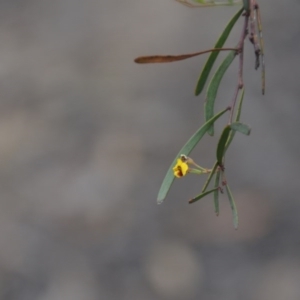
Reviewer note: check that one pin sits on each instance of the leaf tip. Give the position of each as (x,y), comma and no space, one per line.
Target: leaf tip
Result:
(211,131)
(197,91)
(236,222)
(159,200)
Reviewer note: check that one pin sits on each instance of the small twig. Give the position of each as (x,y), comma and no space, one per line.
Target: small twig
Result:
(261,42)
(253,36)
(223,179)
(240,84)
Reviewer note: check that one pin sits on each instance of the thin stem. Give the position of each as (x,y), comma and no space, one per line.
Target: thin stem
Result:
(253,36)
(240,84)
(261,42)
(223,178)
(170,58)
(199,172)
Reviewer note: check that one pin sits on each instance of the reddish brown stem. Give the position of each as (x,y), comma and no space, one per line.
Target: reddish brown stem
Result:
(240,84)
(170,58)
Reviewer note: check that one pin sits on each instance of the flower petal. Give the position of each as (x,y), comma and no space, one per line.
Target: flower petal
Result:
(180,169)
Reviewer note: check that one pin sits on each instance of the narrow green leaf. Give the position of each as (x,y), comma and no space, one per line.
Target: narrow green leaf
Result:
(237,118)
(216,193)
(233,207)
(240,104)
(213,56)
(213,87)
(221,144)
(186,149)
(242,128)
(201,196)
(212,173)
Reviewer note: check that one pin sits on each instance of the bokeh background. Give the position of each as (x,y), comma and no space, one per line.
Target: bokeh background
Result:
(86,137)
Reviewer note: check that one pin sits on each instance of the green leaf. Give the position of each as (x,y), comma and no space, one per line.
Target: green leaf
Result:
(202,195)
(242,128)
(240,104)
(186,149)
(213,87)
(213,56)
(233,207)
(221,144)
(216,193)
(237,118)
(212,173)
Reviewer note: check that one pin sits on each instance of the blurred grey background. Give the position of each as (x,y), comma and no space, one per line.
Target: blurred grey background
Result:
(86,137)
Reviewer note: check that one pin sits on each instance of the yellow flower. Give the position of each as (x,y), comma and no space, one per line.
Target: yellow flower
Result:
(181,168)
